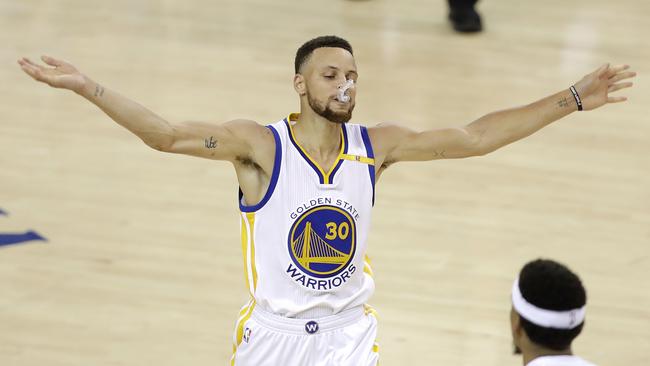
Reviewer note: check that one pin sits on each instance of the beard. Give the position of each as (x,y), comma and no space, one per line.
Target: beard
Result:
(326,112)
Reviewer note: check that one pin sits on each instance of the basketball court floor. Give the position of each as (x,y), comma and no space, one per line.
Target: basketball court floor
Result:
(142,263)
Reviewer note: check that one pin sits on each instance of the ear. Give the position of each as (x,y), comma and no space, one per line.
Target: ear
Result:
(517,329)
(299,84)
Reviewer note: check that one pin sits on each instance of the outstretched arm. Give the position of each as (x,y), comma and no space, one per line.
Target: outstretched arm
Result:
(494,130)
(228,141)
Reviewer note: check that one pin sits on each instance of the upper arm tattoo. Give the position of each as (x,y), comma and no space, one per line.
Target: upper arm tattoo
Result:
(211,143)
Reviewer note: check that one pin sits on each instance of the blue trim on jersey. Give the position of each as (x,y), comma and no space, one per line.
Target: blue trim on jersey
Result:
(345,151)
(371,167)
(316,168)
(274,176)
(305,157)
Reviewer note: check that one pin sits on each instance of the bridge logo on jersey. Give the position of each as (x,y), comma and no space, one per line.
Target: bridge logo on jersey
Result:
(322,242)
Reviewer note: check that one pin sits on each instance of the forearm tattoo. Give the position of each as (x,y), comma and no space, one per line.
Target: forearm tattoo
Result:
(211,143)
(563,103)
(99,90)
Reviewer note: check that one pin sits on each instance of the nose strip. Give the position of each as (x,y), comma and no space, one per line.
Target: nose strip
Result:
(343,89)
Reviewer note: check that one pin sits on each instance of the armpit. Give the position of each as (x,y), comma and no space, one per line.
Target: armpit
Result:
(248,162)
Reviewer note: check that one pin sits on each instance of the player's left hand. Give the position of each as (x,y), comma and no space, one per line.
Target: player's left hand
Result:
(594,88)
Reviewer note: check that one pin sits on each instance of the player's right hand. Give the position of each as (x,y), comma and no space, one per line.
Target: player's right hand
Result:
(61,75)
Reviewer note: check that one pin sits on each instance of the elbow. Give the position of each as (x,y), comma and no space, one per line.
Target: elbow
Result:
(480,152)
(158,145)
(477,146)
(484,149)
(160,140)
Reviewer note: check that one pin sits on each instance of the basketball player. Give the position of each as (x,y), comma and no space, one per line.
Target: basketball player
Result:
(307,187)
(548,313)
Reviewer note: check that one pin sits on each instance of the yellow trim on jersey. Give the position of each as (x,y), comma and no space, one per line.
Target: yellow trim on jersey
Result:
(239,328)
(251,222)
(369,310)
(359,158)
(366,266)
(375,347)
(293,117)
(244,250)
(248,243)
(326,176)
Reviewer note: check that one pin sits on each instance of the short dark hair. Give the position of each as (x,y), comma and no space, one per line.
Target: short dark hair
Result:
(303,53)
(550,285)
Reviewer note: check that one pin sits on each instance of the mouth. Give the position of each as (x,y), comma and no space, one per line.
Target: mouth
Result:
(340,104)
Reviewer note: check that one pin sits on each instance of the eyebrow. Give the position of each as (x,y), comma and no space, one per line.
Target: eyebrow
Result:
(336,68)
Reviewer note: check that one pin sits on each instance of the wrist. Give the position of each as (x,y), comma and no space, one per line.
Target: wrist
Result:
(565,101)
(86,87)
(576,98)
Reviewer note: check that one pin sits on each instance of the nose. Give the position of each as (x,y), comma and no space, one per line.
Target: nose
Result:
(343,95)
(349,84)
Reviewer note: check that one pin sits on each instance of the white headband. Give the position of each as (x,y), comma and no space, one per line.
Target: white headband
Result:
(567,319)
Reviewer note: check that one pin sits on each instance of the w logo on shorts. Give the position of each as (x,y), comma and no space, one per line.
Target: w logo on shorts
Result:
(311,327)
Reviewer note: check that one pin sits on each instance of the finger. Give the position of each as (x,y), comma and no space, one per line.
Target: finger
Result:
(30,70)
(26,65)
(619,86)
(52,61)
(621,76)
(33,64)
(35,73)
(619,68)
(616,69)
(616,99)
(602,70)
(26,60)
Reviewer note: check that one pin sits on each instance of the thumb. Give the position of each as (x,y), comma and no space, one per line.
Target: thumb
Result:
(51,61)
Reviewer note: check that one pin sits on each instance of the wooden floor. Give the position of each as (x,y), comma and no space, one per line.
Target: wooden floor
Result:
(143,263)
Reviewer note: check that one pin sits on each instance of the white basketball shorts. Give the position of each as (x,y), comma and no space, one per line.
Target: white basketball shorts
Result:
(344,339)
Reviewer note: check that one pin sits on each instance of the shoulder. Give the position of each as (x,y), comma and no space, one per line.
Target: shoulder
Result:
(386,136)
(388,131)
(253,134)
(248,128)
(384,128)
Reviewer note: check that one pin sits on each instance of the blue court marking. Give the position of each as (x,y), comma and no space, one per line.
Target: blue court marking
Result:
(18,238)
(12,239)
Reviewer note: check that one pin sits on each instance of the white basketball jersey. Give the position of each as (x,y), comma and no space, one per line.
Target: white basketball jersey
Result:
(304,243)
(562,360)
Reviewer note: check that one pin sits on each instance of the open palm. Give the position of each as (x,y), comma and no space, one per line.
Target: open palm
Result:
(61,75)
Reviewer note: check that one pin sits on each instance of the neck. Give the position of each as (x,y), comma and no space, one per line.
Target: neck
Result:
(317,134)
(533,351)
